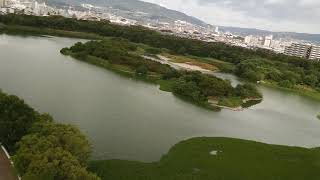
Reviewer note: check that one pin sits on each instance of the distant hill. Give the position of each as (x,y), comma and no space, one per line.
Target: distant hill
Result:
(149,12)
(315,38)
(135,9)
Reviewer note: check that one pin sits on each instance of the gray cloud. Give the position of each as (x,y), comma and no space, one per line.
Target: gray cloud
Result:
(279,15)
(297,10)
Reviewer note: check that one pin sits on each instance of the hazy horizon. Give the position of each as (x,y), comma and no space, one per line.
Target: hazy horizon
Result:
(273,15)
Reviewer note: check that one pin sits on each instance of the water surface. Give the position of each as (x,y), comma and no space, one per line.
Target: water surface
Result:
(133,120)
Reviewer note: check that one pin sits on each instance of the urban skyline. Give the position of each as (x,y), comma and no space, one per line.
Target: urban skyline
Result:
(272,15)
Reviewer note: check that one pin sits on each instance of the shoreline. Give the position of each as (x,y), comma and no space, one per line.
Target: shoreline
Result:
(242,107)
(32,31)
(214,156)
(305,93)
(154,79)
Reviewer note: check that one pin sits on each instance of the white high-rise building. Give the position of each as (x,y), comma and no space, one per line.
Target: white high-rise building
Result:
(315,53)
(268,41)
(247,39)
(217,30)
(2,3)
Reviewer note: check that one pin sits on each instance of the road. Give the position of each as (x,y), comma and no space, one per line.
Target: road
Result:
(6,172)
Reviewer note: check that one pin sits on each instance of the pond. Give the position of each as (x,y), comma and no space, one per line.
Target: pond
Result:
(134,120)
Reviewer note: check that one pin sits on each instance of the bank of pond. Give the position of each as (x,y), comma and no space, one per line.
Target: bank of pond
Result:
(218,158)
(198,88)
(297,74)
(44,149)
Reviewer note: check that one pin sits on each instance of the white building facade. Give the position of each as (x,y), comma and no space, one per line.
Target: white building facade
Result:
(315,53)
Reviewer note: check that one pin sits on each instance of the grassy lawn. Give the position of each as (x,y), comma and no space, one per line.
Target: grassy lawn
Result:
(231,159)
(165,85)
(221,65)
(232,102)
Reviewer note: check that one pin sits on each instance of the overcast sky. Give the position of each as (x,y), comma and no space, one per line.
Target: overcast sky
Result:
(275,15)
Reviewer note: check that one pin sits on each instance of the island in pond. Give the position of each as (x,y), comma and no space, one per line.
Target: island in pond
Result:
(200,88)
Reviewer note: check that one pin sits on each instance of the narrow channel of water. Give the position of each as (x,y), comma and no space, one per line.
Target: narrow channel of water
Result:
(133,120)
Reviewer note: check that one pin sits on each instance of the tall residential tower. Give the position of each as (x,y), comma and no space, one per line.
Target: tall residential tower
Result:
(2,3)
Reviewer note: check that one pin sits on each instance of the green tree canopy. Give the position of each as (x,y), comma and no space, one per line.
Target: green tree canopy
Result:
(53,151)
(16,118)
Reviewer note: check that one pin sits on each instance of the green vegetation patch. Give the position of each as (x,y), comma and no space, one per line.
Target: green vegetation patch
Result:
(307,92)
(191,61)
(42,149)
(166,85)
(298,76)
(252,65)
(232,102)
(217,159)
(123,56)
(223,66)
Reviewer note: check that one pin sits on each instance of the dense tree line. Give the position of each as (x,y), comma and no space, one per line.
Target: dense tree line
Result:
(117,51)
(41,148)
(136,34)
(194,86)
(307,69)
(285,74)
(199,87)
(16,118)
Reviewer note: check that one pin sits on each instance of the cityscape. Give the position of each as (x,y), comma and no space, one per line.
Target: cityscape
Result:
(179,28)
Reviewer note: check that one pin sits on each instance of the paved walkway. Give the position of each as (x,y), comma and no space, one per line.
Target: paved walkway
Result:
(5,167)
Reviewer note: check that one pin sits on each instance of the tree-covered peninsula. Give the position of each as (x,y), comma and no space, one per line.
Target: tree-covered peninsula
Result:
(126,57)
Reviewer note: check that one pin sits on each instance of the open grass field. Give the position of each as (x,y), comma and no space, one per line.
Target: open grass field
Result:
(221,65)
(219,159)
(191,61)
(232,102)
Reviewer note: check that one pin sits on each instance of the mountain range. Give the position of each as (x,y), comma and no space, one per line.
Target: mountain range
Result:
(134,9)
(146,12)
(313,38)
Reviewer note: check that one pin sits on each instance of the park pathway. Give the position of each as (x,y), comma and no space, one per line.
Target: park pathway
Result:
(6,171)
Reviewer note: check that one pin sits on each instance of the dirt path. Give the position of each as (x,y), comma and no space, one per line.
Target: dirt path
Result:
(6,172)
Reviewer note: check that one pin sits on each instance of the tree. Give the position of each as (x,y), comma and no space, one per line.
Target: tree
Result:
(65,136)
(40,158)
(142,70)
(189,90)
(42,149)
(248,91)
(311,80)
(16,118)
(286,84)
(182,50)
(53,151)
